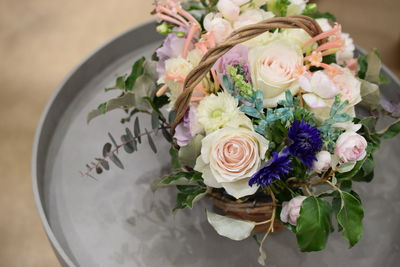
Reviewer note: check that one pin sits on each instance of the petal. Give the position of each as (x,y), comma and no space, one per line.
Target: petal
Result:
(207,175)
(314,101)
(304,83)
(240,188)
(323,86)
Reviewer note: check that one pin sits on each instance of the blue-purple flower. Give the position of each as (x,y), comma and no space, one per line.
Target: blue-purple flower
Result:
(276,168)
(306,142)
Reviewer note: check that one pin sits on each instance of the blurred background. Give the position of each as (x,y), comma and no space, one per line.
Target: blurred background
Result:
(41,41)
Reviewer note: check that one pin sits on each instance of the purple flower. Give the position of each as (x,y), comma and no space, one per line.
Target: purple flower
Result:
(171,48)
(237,56)
(188,128)
(276,168)
(306,142)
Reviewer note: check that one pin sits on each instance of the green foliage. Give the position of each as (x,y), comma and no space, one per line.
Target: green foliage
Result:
(350,217)
(314,224)
(182,178)
(369,68)
(173,152)
(325,15)
(391,131)
(188,194)
(329,133)
(278,7)
(136,72)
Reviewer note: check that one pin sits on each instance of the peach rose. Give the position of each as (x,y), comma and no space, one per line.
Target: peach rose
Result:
(350,147)
(229,157)
(291,210)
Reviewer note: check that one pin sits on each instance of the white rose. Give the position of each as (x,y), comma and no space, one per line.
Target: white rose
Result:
(252,16)
(219,27)
(348,85)
(350,147)
(217,111)
(229,157)
(318,87)
(323,161)
(273,68)
(296,7)
(228,9)
(291,210)
(297,36)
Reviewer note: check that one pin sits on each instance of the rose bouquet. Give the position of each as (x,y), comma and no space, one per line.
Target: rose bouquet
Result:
(268,112)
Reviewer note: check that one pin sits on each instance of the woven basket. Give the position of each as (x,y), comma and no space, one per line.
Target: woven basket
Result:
(257,210)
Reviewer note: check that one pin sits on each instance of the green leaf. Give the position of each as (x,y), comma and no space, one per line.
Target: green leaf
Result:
(391,131)
(182,178)
(350,218)
(151,142)
(116,161)
(173,152)
(231,228)
(113,141)
(154,120)
(104,163)
(125,101)
(370,94)
(136,72)
(106,149)
(119,84)
(314,224)
(188,195)
(374,67)
(128,144)
(326,15)
(188,154)
(353,172)
(167,135)
(136,130)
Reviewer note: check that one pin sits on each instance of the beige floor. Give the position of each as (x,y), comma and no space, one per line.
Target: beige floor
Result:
(42,40)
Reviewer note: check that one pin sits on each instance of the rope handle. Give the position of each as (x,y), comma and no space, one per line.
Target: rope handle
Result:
(241,35)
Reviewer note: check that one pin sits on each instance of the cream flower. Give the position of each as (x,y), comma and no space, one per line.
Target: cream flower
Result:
(217,111)
(273,69)
(251,16)
(229,157)
(323,161)
(219,27)
(228,9)
(176,69)
(296,7)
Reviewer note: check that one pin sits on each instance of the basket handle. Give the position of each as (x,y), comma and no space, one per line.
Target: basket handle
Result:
(239,36)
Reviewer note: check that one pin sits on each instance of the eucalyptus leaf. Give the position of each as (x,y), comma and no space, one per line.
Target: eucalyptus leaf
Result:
(116,161)
(350,218)
(136,130)
(151,142)
(371,96)
(231,228)
(314,224)
(104,163)
(154,120)
(113,141)
(106,149)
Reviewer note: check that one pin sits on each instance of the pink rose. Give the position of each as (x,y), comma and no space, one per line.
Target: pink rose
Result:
(350,147)
(291,210)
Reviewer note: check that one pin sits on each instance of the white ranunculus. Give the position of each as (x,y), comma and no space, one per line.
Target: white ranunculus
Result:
(273,68)
(229,157)
(219,27)
(323,161)
(251,16)
(217,111)
(228,9)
